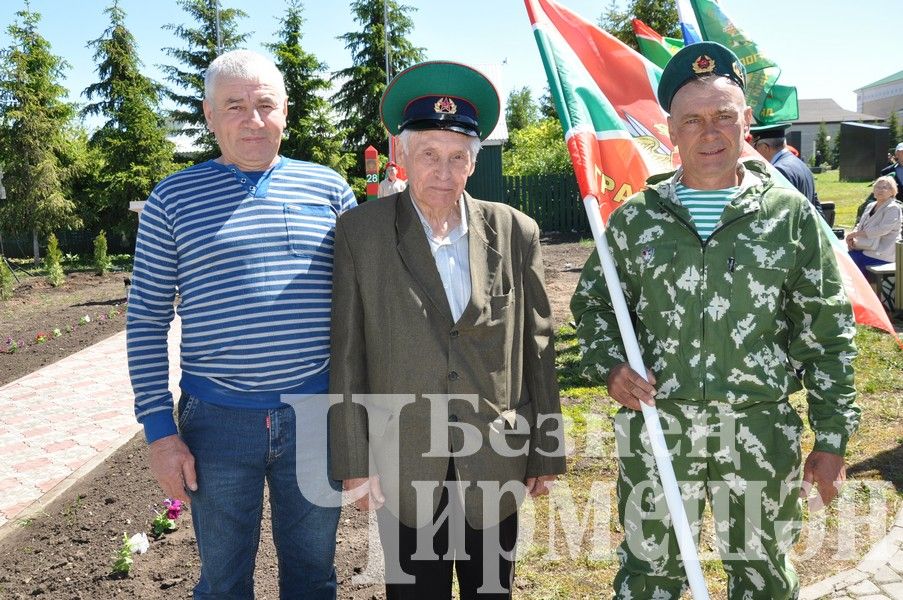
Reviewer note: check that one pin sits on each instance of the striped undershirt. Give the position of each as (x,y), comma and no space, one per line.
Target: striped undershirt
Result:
(252,262)
(705,206)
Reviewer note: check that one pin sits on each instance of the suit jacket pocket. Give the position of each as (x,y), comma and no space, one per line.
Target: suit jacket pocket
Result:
(499,306)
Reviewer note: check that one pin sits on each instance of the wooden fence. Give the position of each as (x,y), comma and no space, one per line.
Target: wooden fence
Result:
(552,200)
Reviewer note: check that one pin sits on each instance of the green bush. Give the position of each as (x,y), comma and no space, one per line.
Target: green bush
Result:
(6,280)
(101,258)
(52,262)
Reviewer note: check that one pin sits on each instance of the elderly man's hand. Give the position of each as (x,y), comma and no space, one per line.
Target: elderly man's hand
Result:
(627,387)
(172,465)
(365,492)
(540,486)
(828,472)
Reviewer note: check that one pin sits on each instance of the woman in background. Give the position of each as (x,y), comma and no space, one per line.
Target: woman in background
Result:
(872,240)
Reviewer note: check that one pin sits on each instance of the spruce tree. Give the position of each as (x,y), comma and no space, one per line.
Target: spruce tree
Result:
(132,144)
(835,150)
(53,262)
(893,126)
(821,145)
(101,258)
(6,280)
(36,133)
(365,80)
(201,49)
(309,133)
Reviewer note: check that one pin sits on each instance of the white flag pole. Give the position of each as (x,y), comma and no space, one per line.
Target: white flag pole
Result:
(650,414)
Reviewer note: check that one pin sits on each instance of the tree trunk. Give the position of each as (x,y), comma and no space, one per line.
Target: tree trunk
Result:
(36,247)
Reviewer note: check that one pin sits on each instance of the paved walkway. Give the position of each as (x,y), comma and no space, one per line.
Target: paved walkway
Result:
(58,423)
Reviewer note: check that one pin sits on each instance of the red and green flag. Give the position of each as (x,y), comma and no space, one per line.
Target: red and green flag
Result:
(604,91)
(617,133)
(771,103)
(654,46)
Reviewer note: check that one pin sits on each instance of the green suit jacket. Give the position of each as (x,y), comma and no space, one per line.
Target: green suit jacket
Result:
(484,387)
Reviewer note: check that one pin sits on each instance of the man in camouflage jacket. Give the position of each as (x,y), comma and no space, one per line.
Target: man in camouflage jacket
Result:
(729,326)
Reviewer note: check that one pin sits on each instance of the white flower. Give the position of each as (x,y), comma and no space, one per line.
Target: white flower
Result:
(138,543)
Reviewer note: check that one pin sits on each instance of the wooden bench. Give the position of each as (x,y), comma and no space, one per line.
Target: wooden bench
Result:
(880,279)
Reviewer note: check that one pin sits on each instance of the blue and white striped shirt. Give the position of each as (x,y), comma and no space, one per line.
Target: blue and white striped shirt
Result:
(252,263)
(705,206)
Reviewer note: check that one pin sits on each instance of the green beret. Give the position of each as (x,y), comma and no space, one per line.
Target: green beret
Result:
(441,95)
(695,61)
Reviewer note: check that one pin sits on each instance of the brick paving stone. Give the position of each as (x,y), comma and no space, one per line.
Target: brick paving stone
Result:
(37,431)
(863,588)
(8,483)
(31,465)
(59,446)
(894,590)
(886,575)
(48,484)
(896,561)
(10,511)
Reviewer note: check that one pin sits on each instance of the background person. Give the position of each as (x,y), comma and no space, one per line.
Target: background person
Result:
(873,240)
(247,239)
(895,170)
(771,143)
(391,184)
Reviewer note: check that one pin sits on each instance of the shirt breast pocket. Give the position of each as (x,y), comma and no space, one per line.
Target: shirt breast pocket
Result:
(310,230)
(759,272)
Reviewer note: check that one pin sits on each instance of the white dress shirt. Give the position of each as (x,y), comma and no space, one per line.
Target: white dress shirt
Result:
(452,256)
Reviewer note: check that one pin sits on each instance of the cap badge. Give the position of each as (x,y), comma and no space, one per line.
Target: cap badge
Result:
(445,105)
(703,64)
(739,72)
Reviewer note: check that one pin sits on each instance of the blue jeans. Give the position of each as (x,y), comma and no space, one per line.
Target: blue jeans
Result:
(235,450)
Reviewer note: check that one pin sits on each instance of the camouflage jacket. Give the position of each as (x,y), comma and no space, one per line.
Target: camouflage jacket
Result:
(745,318)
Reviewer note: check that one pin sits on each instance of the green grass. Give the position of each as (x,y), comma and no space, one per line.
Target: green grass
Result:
(846,196)
(548,567)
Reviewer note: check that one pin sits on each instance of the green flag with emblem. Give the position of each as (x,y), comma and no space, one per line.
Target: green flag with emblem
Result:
(771,103)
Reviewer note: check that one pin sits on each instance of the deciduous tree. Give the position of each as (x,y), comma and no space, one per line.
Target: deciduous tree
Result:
(660,16)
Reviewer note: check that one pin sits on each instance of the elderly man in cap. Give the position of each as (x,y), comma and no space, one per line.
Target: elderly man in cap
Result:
(895,170)
(442,318)
(246,239)
(771,143)
(391,184)
(738,303)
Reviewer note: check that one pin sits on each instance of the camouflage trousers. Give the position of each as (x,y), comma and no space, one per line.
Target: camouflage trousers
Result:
(746,464)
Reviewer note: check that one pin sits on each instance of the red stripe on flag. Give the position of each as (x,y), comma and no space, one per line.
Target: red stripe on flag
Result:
(640,29)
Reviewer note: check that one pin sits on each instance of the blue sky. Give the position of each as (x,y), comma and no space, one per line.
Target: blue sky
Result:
(827,48)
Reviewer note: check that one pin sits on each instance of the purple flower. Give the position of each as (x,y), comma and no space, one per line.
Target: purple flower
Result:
(173,508)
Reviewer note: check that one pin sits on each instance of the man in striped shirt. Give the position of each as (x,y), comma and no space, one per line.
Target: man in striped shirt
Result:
(247,241)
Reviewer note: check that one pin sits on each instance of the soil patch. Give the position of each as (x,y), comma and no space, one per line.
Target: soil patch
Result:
(67,550)
(86,309)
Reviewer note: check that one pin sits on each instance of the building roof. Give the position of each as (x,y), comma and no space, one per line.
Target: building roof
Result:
(890,78)
(826,110)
